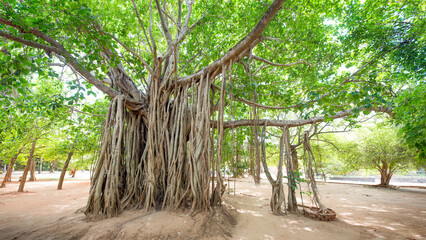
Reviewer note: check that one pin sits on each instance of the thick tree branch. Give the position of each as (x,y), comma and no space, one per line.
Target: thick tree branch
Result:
(242,46)
(301,61)
(33,31)
(164,24)
(255,33)
(294,123)
(28,43)
(248,102)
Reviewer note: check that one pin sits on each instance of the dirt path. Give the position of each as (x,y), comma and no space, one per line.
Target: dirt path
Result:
(363,213)
(39,206)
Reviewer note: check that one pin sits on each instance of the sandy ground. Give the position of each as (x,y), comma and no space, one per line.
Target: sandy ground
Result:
(364,212)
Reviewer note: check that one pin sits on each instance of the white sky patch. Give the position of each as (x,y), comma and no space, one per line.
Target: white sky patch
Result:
(330,22)
(343,68)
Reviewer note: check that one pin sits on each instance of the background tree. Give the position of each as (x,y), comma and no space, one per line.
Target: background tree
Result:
(383,150)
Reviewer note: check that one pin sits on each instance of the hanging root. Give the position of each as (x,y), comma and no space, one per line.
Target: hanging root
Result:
(104,196)
(278,199)
(292,201)
(320,212)
(158,160)
(278,196)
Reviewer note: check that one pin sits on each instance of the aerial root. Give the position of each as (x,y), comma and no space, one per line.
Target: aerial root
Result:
(326,214)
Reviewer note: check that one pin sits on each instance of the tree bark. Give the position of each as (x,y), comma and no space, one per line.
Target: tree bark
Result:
(256,143)
(64,170)
(385,174)
(32,172)
(293,123)
(251,152)
(27,167)
(8,174)
(291,181)
(40,166)
(312,182)
(237,170)
(294,158)
(257,152)
(251,146)
(278,196)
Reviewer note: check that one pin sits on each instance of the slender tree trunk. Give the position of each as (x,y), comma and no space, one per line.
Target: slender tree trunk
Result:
(312,182)
(212,151)
(256,143)
(291,181)
(8,174)
(237,162)
(294,158)
(27,167)
(64,170)
(257,151)
(250,146)
(251,154)
(32,172)
(278,195)
(219,190)
(51,167)
(73,172)
(40,166)
(212,159)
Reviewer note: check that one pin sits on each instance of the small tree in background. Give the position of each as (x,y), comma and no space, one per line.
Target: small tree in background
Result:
(385,151)
(381,149)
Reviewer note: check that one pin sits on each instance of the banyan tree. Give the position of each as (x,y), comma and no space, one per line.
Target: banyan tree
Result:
(171,70)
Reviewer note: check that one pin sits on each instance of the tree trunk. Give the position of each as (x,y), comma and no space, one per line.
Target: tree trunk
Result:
(251,156)
(312,182)
(256,143)
(278,196)
(160,159)
(8,174)
(27,167)
(294,158)
(257,151)
(51,167)
(237,170)
(73,172)
(385,174)
(40,166)
(251,148)
(291,180)
(64,170)
(32,168)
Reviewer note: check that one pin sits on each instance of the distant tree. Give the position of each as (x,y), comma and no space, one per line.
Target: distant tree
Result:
(381,149)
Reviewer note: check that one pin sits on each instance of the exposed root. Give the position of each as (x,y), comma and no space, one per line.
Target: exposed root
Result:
(326,214)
